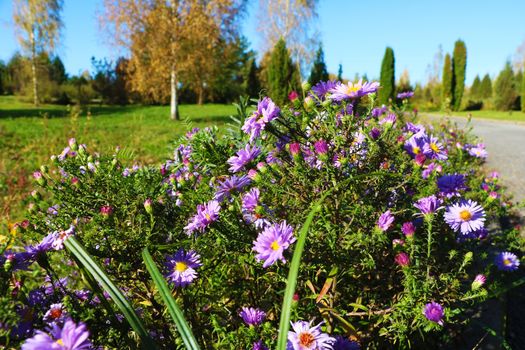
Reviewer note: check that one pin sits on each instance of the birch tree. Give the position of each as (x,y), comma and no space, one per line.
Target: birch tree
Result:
(169,42)
(295,22)
(38,28)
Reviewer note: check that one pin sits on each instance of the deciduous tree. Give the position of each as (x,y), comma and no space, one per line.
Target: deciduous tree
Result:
(171,42)
(38,27)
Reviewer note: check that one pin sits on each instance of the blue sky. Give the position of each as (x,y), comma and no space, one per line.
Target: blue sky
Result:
(354,33)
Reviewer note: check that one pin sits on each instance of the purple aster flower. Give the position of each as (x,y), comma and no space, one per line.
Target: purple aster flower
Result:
(374,133)
(259,345)
(321,147)
(405,95)
(306,337)
(252,316)
(450,185)
(378,111)
(478,151)
(408,229)
(433,149)
(415,128)
(466,216)
(428,205)
(229,185)
(41,248)
(182,267)
(272,242)
(432,167)
(206,215)
(250,200)
(506,261)
(36,297)
(389,119)
(385,220)
(434,312)
(352,90)
(70,337)
(244,156)
(56,313)
(61,236)
(342,343)
(414,145)
(322,88)
(17,260)
(53,210)
(266,112)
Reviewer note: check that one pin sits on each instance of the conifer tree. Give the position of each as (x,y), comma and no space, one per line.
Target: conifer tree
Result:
(283,75)
(475,88)
(523,93)
(252,84)
(387,79)
(505,86)
(319,71)
(340,73)
(459,68)
(486,87)
(447,88)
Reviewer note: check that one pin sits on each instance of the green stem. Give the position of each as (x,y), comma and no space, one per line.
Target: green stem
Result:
(429,244)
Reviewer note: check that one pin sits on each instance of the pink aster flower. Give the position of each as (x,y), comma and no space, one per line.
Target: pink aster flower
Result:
(306,337)
(272,242)
(466,216)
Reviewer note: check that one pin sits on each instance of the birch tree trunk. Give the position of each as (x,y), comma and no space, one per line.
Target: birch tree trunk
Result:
(33,67)
(174,113)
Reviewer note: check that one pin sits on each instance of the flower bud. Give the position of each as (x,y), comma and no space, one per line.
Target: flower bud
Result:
(148,206)
(306,86)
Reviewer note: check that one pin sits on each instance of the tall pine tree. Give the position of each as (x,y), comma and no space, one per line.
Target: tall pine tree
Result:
(388,79)
(505,86)
(447,91)
(319,71)
(523,93)
(475,88)
(252,85)
(459,69)
(485,89)
(283,75)
(340,73)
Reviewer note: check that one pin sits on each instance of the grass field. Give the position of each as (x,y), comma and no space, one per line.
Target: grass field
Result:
(29,136)
(515,116)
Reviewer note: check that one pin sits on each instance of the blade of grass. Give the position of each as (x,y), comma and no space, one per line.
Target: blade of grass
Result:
(174,310)
(116,295)
(291,282)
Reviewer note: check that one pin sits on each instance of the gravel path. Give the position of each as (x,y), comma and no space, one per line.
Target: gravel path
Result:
(505,142)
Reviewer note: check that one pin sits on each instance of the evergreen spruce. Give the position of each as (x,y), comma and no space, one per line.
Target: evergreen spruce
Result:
(505,85)
(486,87)
(475,88)
(252,85)
(340,73)
(523,93)
(319,71)
(447,87)
(459,68)
(283,75)
(387,79)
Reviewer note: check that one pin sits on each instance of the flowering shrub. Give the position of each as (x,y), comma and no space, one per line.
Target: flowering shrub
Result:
(402,248)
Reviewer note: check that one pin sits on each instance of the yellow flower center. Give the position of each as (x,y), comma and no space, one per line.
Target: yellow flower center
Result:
(416,150)
(208,217)
(275,245)
(306,339)
(434,147)
(60,342)
(465,215)
(350,89)
(181,267)
(507,262)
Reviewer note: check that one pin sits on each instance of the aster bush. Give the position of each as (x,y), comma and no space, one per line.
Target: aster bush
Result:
(405,244)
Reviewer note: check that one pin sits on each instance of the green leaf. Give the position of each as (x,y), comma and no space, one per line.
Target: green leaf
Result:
(174,310)
(116,295)
(291,283)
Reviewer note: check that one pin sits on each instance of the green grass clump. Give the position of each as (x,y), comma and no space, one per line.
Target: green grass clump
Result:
(28,135)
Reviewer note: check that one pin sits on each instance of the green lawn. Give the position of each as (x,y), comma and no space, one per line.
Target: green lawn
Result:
(495,115)
(29,136)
